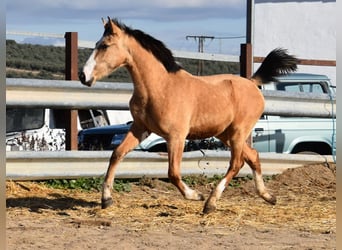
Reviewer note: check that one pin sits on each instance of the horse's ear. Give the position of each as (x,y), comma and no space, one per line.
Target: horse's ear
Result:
(113,28)
(103,21)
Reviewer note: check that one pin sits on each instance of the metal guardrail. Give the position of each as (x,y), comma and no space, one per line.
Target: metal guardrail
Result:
(294,104)
(44,165)
(105,95)
(66,94)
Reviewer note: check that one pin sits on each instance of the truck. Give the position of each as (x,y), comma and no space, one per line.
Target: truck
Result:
(294,135)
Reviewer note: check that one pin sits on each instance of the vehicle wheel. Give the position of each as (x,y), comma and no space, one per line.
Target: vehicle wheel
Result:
(158,148)
(312,148)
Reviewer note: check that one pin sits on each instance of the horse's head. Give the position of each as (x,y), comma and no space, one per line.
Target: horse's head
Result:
(108,55)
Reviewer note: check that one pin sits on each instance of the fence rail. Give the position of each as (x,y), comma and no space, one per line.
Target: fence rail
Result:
(75,164)
(105,95)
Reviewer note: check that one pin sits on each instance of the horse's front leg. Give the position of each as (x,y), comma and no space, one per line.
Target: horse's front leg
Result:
(175,152)
(131,140)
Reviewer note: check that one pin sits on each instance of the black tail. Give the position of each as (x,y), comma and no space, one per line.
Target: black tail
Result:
(278,62)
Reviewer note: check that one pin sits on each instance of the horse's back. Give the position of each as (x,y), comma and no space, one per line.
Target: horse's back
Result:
(243,88)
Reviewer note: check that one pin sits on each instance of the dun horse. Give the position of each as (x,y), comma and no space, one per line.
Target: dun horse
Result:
(169,101)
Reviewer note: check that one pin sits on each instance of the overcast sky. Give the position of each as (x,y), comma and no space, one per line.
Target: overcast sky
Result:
(167,20)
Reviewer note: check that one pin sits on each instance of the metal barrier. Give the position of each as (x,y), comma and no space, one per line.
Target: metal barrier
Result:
(73,164)
(116,96)
(44,165)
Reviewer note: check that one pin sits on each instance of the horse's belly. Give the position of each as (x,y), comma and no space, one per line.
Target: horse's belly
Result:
(209,122)
(202,132)
(194,136)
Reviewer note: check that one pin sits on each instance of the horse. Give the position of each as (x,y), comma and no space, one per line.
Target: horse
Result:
(171,102)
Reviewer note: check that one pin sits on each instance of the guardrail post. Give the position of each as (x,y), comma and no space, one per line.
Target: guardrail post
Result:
(71,73)
(246,69)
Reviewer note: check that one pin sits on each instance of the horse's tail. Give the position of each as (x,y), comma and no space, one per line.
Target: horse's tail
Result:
(278,62)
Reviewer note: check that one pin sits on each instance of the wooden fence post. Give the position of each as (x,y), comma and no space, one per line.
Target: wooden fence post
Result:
(71,73)
(246,60)
(246,70)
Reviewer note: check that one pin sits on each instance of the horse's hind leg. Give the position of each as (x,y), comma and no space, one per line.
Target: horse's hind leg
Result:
(251,156)
(236,164)
(175,151)
(132,139)
(240,153)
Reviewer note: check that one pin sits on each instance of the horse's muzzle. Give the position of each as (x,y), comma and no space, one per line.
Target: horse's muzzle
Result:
(83,80)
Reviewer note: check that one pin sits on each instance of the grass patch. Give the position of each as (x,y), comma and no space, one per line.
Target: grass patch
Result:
(125,185)
(199,180)
(87,184)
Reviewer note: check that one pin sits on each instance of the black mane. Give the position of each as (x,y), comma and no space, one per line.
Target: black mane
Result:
(156,47)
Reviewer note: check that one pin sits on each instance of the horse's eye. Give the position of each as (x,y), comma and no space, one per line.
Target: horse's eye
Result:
(103,46)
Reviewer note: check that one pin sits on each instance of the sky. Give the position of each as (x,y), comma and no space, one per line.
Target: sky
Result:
(167,20)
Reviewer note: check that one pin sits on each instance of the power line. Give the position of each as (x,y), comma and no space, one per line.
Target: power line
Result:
(229,37)
(201,39)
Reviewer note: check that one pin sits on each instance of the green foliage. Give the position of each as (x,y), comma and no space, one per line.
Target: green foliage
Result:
(35,57)
(122,186)
(87,184)
(48,62)
(125,185)
(195,180)
(200,180)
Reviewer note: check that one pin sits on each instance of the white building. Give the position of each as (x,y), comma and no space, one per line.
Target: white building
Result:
(307,28)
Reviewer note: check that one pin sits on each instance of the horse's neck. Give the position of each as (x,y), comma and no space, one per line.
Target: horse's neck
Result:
(146,71)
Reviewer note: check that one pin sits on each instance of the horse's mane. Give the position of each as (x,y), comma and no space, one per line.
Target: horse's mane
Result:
(156,47)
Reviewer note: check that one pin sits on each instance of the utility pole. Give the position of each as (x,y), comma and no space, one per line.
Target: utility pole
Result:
(201,40)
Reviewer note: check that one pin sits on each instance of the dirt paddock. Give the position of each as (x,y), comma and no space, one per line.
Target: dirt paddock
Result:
(153,215)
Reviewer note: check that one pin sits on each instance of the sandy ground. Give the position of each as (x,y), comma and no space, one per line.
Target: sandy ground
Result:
(153,215)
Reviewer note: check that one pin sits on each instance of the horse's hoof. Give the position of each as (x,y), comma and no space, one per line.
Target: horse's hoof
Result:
(272,200)
(194,196)
(197,197)
(269,198)
(106,203)
(209,207)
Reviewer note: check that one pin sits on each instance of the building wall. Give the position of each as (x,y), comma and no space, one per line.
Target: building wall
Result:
(306,28)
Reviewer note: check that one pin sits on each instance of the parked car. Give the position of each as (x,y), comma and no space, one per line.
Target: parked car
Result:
(270,134)
(109,137)
(102,138)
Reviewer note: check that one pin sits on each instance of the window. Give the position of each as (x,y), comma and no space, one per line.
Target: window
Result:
(306,87)
(22,119)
